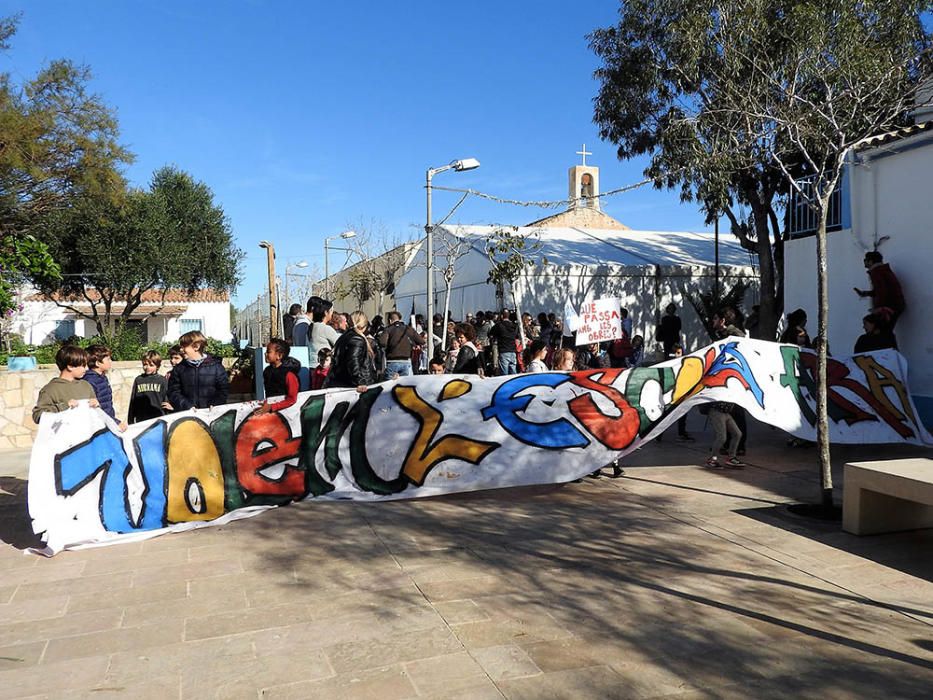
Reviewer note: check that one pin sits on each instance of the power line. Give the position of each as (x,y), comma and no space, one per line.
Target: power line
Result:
(543,204)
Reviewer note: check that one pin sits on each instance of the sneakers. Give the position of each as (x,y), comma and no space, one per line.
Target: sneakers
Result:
(713,462)
(686,437)
(735,463)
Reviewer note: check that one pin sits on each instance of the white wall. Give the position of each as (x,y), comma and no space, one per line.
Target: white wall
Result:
(214,317)
(892,195)
(38,321)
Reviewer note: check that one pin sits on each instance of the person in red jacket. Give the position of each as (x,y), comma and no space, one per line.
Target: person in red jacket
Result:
(887,297)
(319,373)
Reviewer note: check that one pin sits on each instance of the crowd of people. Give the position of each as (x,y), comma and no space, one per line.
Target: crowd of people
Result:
(487,343)
(350,350)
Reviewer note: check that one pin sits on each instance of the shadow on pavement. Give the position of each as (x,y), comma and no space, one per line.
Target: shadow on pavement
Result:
(610,568)
(894,550)
(15,523)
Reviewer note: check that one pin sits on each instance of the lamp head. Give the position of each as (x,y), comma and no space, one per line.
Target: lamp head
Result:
(465,164)
(348,234)
(303,263)
(265,244)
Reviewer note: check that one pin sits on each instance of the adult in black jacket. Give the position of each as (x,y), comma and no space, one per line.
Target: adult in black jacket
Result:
(668,332)
(353,360)
(505,332)
(198,381)
(468,357)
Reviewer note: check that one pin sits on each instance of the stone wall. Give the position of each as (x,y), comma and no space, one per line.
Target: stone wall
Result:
(19,391)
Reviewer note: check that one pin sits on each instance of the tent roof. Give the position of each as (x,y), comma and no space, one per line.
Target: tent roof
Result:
(578,246)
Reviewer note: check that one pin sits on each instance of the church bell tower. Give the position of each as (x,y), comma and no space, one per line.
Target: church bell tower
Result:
(584,183)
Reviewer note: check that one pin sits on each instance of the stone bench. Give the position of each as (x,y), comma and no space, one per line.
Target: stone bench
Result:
(888,496)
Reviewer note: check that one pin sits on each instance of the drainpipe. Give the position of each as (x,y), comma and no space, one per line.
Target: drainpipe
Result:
(657,297)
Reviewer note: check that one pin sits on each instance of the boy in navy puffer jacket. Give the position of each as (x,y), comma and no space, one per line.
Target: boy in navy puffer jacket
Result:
(99,362)
(200,381)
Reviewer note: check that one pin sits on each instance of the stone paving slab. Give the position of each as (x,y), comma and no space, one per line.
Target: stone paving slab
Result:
(671,582)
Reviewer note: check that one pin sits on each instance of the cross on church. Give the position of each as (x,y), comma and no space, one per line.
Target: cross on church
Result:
(584,153)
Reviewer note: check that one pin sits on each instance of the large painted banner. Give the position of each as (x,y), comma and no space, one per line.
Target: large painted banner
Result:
(427,435)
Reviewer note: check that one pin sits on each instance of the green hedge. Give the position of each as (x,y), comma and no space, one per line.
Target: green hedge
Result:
(125,345)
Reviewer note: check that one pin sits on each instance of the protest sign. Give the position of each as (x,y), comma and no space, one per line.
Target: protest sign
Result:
(598,321)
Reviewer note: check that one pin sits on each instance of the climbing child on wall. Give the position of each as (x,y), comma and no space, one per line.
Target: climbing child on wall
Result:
(65,390)
(280,378)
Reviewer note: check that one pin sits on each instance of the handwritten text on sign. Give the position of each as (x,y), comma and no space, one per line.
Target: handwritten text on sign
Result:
(599,320)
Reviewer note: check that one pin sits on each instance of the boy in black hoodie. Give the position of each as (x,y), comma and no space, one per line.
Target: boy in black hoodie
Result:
(148,399)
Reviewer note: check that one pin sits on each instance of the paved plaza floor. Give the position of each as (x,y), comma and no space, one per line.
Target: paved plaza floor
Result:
(672,581)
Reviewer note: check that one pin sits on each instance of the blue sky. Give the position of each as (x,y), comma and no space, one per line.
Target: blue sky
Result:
(305,117)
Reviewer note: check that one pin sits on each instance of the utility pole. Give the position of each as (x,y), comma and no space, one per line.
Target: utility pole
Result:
(273,292)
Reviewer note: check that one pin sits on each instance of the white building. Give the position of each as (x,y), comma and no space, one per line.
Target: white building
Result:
(589,254)
(885,203)
(646,270)
(43,321)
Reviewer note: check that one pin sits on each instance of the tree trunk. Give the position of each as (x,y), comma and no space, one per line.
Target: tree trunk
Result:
(778,255)
(446,314)
(822,425)
(518,310)
(767,312)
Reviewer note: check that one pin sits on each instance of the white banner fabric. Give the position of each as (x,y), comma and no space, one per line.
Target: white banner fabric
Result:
(89,484)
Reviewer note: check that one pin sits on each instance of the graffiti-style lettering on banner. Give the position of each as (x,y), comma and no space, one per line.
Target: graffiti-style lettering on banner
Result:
(427,435)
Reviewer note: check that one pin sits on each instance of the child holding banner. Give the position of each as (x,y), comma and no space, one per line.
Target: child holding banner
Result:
(99,362)
(148,397)
(65,390)
(280,377)
(201,380)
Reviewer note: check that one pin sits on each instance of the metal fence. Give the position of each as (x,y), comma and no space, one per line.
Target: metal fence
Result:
(252,324)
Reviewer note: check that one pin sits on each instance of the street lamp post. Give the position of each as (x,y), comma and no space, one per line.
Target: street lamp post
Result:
(345,235)
(458,166)
(273,300)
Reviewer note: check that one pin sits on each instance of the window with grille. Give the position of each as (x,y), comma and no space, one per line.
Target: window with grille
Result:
(802,219)
(64,330)
(186,325)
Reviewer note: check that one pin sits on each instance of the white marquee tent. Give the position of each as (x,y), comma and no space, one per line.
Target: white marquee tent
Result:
(646,269)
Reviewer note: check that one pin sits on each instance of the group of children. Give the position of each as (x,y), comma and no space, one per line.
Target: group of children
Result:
(196,380)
